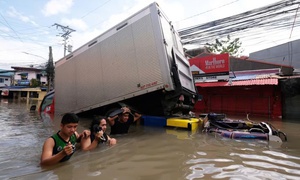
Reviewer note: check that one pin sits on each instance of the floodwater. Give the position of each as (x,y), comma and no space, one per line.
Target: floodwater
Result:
(145,153)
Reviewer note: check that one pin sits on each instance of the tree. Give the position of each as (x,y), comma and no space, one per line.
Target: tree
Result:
(233,47)
(34,83)
(50,70)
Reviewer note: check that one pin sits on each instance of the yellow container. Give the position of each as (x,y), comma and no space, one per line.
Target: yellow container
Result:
(191,124)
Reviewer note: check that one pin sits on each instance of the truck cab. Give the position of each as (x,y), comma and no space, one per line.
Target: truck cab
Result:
(47,104)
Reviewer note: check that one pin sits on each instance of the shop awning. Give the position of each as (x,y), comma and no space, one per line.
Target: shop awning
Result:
(239,83)
(23,74)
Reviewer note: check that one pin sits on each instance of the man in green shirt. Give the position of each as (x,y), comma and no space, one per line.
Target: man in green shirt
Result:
(61,146)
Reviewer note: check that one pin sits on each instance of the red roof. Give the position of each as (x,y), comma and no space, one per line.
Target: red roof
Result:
(240,83)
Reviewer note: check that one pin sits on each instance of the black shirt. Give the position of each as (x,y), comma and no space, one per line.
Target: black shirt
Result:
(120,127)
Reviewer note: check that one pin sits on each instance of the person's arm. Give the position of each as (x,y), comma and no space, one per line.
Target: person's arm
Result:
(47,158)
(136,117)
(85,134)
(111,120)
(111,141)
(87,145)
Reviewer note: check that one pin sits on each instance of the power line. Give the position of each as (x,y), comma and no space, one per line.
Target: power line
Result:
(294,21)
(275,17)
(208,11)
(94,9)
(67,31)
(11,28)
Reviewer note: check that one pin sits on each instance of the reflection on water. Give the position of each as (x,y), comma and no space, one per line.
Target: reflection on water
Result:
(145,153)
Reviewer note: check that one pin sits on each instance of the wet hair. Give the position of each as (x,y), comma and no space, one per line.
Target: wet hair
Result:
(69,118)
(96,121)
(124,113)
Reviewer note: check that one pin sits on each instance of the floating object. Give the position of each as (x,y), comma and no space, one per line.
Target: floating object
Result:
(240,129)
(191,124)
(33,108)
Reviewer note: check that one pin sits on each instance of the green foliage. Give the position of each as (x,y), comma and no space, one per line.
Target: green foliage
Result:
(34,83)
(233,47)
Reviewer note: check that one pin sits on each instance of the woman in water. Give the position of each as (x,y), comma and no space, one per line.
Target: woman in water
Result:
(98,135)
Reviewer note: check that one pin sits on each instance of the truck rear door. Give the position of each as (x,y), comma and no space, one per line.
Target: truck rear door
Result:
(175,50)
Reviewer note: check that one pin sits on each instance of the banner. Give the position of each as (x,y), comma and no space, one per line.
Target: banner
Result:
(210,68)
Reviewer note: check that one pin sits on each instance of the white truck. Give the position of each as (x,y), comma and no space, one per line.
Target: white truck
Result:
(139,62)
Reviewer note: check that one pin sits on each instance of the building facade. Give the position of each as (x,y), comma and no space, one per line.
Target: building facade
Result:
(287,54)
(5,80)
(254,87)
(24,75)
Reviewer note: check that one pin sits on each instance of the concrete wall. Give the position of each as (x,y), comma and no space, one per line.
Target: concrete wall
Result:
(287,54)
(291,102)
(31,75)
(6,81)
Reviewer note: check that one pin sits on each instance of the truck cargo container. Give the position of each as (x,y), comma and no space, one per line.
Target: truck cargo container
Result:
(139,62)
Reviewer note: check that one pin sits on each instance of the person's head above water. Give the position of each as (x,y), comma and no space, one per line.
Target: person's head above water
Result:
(69,118)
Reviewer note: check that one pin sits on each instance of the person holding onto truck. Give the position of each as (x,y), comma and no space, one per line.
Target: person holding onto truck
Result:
(98,135)
(62,145)
(121,122)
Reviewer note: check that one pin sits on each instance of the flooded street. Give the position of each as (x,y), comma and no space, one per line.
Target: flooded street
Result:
(145,153)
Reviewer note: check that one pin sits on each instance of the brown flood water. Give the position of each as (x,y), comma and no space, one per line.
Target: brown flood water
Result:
(145,153)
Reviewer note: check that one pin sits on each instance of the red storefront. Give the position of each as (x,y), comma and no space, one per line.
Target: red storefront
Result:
(254,92)
(255,97)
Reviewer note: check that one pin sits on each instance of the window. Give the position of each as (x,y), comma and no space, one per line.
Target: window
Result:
(1,80)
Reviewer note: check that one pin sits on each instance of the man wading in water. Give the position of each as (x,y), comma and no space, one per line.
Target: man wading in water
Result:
(120,123)
(61,146)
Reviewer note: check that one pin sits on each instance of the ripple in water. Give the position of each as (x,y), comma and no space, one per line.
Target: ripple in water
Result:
(96,173)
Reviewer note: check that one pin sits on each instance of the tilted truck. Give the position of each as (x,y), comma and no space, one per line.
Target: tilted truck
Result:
(139,62)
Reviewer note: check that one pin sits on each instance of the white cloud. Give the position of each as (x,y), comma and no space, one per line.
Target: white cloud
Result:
(127,11)
(12,12)
(54,7)
(77,24)
(4,29)
(12,53)
(79,39)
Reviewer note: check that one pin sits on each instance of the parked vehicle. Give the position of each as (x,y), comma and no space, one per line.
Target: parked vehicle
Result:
(47,104)
(139,62)
(5,92)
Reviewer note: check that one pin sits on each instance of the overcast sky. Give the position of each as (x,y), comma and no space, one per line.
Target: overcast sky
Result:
(27,31)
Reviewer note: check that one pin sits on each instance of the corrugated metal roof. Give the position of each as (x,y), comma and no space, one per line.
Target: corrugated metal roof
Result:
(255,76)
(211,84)
(244,77)
(240,83)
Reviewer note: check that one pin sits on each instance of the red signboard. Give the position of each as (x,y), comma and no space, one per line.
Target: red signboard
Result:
(213,67)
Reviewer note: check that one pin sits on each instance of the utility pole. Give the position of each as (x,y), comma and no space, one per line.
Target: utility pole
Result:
(50,70)
(67,31)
